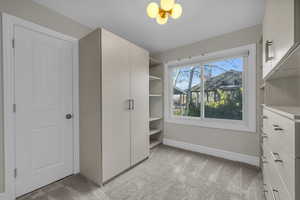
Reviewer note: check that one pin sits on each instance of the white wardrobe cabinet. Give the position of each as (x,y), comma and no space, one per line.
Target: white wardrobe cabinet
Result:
(281,151)
(114,105)
(281,32)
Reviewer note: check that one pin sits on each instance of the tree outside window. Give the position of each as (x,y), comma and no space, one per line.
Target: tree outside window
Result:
(212,90)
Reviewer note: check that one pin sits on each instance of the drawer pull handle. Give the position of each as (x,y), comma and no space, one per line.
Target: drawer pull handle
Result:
(273,194)
(264,117)
(276,157)
(278,129)
(264,136)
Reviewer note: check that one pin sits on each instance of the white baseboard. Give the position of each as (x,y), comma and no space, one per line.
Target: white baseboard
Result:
(251,160)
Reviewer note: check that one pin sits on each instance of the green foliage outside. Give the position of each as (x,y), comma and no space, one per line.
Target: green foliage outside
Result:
(229,106)
(194,111)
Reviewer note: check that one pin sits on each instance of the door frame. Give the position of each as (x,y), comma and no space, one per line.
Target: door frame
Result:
(8,23)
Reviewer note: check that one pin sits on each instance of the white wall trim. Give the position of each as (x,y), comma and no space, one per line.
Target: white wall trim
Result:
(8,23)
(251,160)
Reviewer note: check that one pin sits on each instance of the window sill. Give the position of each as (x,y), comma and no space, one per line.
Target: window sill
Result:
(234,125)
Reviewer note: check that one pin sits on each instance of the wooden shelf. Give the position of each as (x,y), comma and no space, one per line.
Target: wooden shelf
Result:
(154,143)
(154,78)
(154,131)
(154,62)
(151,119)
(155,103)
(155,95)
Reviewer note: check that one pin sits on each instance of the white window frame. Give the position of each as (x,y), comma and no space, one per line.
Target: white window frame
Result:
(249,97)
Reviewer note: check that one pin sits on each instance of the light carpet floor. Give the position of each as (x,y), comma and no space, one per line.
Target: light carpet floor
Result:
(169,174)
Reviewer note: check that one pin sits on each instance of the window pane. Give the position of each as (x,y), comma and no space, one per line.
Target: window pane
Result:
(223,90)
(186,100)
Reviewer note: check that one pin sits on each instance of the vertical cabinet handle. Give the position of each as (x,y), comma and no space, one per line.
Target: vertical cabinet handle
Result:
(133,104)
(129,104)
(268,46)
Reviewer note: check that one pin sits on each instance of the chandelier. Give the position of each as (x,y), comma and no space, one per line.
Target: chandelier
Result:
(167,8)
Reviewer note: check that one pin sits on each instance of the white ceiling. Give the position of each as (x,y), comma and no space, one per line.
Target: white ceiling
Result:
(201,19)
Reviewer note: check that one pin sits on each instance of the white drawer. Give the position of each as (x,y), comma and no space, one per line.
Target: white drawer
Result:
(272,180)
(266,179)
(266,176)
(281,133)
(297,179)
(268,192)
(278,189)
(267,118)
(285,167)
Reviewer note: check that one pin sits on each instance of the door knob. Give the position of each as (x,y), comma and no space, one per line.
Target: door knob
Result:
(69,116)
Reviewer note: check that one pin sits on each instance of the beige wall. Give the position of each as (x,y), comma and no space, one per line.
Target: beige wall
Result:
(1,120)
(38,14)
(41,15)
(228,140)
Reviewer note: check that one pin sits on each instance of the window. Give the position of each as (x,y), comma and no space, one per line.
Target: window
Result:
(186,97)
(213,90)
(223,89)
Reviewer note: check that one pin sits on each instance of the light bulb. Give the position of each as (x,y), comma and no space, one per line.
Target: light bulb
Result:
(167,4)
(161,20)
(176,11)
(152,10)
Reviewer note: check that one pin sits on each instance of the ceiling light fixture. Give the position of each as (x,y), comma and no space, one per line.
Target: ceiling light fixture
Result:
(167,8)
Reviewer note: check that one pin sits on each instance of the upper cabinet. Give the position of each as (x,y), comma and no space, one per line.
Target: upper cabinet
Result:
(281,33)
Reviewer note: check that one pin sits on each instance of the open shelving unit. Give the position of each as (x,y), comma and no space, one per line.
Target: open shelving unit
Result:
(155,95)
(153,78)
(154,143)
(155,103)
(154,131)
(152,119)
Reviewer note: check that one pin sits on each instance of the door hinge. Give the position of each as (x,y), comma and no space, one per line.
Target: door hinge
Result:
(14,108)
(15,172)
(13,43)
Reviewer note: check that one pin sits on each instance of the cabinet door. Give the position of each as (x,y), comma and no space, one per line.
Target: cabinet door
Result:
(267,23)
(115,97)
(278,29)
(139,59)
(90,113)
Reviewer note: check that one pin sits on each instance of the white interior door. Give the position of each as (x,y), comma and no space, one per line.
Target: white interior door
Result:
(43,96)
